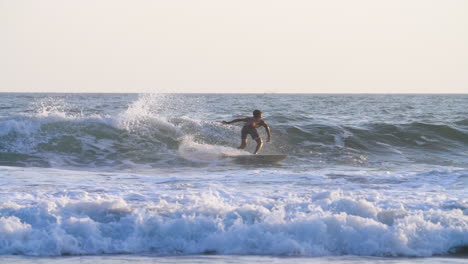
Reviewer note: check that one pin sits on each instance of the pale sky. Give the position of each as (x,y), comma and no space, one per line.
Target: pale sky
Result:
(238,46)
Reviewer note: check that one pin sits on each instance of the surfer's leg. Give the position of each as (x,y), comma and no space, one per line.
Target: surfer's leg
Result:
(259,145)
(243,144)
(244,133)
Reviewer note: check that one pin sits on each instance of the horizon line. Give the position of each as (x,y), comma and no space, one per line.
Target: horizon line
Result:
(320,93)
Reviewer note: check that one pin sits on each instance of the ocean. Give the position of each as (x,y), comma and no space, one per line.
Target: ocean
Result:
(150,178)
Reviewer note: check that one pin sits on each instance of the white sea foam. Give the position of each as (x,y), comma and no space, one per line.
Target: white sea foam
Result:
(196,214)
(191,150)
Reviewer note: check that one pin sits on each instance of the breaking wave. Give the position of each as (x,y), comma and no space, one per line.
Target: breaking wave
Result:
(148,133)
(222,222)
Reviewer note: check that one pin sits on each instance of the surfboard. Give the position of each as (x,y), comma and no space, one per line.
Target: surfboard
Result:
(257,159)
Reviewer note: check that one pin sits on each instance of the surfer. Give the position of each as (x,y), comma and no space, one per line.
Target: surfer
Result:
(250,128)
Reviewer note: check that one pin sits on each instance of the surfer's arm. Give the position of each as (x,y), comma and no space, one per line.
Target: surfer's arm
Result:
(235,121)
(267,128)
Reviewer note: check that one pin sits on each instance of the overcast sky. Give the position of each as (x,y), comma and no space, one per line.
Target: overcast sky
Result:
(327,46)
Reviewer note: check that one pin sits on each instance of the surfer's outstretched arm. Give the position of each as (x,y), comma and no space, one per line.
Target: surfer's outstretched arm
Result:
(235,121)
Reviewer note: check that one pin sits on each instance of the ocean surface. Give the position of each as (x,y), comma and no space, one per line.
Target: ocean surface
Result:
(144,178)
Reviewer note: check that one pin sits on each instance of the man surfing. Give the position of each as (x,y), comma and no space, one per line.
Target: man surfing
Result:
(250,128)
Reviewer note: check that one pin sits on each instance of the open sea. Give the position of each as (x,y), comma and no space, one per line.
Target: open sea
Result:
(144,178)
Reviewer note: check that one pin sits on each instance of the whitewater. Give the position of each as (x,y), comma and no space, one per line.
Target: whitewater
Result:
(135,178)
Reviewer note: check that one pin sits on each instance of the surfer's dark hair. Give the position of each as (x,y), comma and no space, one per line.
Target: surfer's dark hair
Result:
(257,113)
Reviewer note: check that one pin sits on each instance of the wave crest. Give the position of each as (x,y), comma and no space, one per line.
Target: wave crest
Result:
(151,132)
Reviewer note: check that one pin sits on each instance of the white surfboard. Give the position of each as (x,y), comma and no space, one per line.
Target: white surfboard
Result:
(257,159)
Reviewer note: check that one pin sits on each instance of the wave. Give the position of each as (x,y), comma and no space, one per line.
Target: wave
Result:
(378,142)
(139,135)
(150,132)
(218,222)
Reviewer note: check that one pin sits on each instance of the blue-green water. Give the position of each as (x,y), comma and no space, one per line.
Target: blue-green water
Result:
(367,176)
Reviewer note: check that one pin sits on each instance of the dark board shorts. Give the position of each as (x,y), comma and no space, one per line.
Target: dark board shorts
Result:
(248,130)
